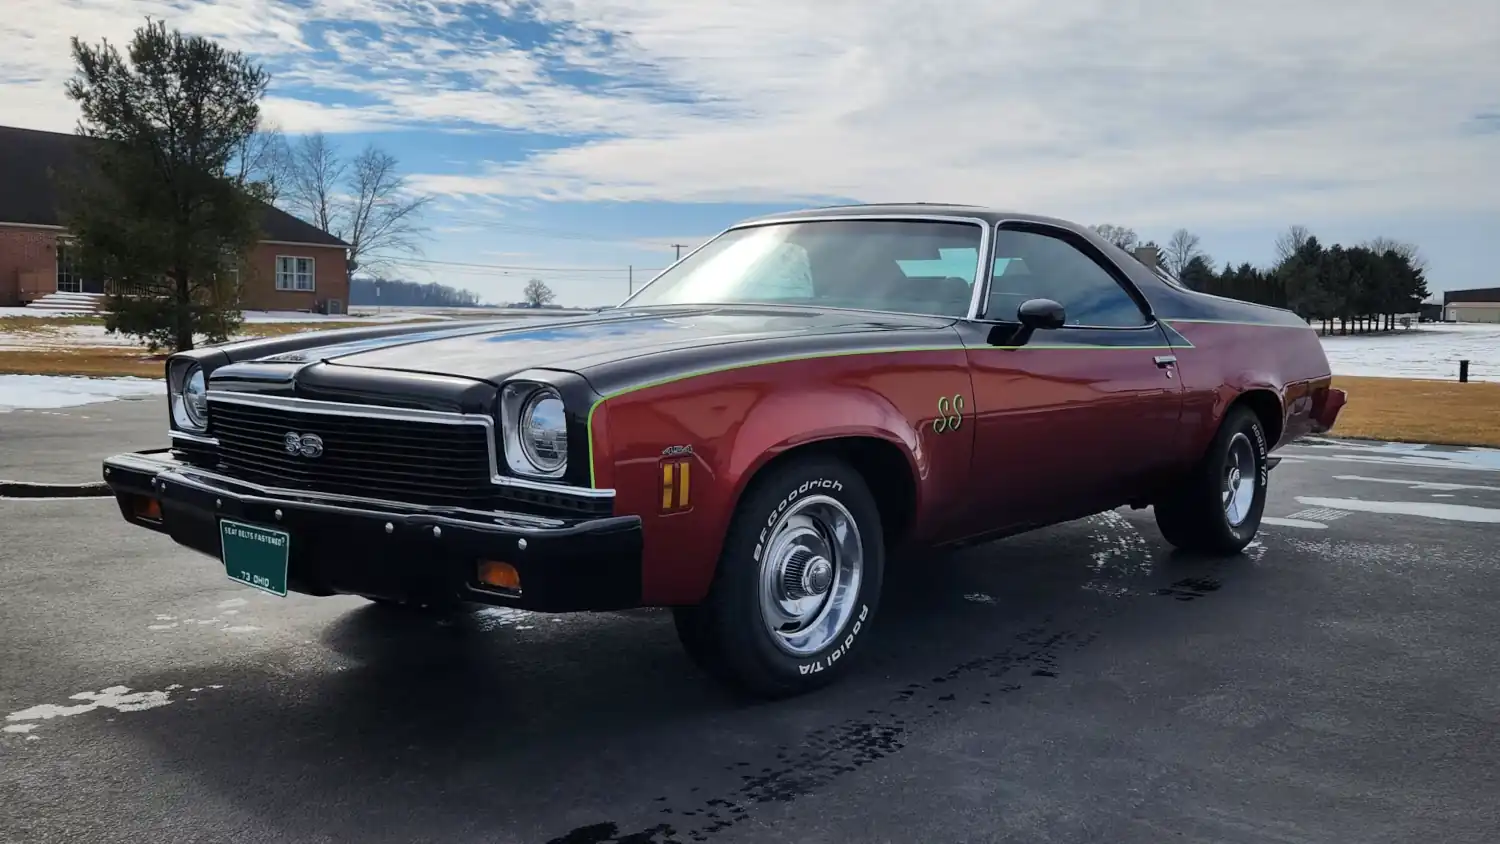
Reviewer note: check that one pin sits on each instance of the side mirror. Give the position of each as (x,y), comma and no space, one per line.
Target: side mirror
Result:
(1033,314)
(1041,314)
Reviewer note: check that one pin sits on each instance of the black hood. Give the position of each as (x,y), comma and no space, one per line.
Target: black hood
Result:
(577,344)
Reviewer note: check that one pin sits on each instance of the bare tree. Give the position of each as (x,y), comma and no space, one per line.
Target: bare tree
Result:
(1181,249)
(316,174)
(1409,251)
(364,202)
(1121,236)
(384,216)
(262,165)
(1289,241)
(537,293)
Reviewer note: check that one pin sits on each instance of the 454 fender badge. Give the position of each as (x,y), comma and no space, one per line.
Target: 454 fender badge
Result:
(837,653)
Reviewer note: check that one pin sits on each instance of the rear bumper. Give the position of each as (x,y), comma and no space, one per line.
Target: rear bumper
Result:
(342,545)
(1326,406)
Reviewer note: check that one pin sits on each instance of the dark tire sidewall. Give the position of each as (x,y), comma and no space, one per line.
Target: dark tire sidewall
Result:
(736,599)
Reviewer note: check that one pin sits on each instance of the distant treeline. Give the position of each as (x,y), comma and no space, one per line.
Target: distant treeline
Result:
(406,294)
(1361,288)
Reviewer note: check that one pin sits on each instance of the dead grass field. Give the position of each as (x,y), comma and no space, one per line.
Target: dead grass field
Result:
(87,360)
(1406,410)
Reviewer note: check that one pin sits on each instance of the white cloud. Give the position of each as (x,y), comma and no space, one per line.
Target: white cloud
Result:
(1151,112)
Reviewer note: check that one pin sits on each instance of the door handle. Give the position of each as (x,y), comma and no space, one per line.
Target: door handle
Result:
(1165,361)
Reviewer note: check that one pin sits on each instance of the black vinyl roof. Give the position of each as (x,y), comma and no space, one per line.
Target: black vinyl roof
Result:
(908,209)
(29,158)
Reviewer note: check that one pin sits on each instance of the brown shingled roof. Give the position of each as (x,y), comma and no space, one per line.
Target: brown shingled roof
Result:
(28,195)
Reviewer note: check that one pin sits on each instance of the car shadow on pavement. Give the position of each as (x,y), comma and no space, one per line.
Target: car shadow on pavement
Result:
(403,726)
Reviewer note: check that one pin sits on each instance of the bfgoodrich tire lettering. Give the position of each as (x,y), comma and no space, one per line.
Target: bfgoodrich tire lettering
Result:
(1218,507)
(797,582)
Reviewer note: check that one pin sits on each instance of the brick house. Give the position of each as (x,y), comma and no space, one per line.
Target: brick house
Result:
(295,267)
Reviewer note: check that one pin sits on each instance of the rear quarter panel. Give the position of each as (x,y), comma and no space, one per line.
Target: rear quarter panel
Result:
(1229,359)
(738,418)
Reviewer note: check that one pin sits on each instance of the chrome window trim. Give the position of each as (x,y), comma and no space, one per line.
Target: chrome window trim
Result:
(980,272)
(1152,321)
(403,414)
(195,478)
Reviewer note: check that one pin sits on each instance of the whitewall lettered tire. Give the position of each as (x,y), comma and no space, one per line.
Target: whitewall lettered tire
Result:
(797,583)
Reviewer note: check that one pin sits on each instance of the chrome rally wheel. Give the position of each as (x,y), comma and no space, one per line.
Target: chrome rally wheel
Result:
(1240,473)
(810,575)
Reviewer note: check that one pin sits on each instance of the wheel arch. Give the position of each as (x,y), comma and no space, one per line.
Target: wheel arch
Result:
(1267,407)
(887,469)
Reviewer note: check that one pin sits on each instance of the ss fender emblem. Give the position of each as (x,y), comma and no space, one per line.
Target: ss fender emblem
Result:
(950,414)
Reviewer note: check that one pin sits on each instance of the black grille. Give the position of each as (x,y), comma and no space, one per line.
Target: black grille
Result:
(420,462)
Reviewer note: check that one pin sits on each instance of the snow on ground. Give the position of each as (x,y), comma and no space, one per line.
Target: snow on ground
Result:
(66,336)
(73,335)
(1429,350)
(41,392)
(33,312)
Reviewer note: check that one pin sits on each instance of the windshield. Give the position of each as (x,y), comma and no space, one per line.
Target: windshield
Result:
(906,266)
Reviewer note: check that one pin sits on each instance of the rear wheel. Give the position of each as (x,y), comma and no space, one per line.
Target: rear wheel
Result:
(1218,507)
(797,583)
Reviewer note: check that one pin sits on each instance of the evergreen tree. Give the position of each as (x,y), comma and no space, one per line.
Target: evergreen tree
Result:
(1198,274)
(160,206)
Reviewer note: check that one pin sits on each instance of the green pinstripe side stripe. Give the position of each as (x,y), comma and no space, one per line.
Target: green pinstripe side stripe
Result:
(1231,322)
(837,354)
(745,365)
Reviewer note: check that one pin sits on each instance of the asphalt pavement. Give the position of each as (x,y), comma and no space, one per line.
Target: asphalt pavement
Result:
(1339,682)
(66,446)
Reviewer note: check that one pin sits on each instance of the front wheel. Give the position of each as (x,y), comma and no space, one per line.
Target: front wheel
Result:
(797,583)
(1218,507)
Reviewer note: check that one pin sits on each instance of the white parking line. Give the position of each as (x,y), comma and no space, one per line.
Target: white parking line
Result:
(1295,523)
(1426,485)
(1424,509)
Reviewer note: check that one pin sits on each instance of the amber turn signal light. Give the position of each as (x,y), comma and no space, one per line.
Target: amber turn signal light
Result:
(146,508)
(500,575)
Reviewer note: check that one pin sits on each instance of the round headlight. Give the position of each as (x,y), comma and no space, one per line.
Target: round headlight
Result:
(544,432)
(190,401)
(195,397)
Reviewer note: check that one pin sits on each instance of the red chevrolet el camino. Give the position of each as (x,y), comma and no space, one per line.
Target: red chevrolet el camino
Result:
(746,439)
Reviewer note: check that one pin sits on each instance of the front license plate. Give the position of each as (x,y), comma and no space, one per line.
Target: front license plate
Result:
(255,556)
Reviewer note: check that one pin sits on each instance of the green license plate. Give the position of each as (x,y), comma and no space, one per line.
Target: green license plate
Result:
(255,556)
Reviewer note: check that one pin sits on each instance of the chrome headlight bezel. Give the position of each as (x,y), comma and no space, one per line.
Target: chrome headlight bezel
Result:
(534,420)
(188,388)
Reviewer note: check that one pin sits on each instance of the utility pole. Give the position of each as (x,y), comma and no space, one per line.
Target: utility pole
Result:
(678,247)
(631,278)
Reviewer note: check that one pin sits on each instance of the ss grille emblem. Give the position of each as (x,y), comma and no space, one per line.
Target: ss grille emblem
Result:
(307,445)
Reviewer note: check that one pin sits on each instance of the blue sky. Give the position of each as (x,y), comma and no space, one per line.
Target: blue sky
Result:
(582,137)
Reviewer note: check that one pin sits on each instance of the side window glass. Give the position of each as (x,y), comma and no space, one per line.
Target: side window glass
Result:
(1029,265)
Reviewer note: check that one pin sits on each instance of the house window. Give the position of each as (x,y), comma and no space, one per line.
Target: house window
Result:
(294,273)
